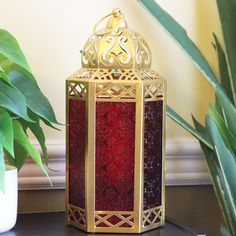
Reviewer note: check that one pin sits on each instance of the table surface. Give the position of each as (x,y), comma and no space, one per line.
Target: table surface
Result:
(53,224)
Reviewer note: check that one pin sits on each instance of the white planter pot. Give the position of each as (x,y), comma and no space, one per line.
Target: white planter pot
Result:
(8,201)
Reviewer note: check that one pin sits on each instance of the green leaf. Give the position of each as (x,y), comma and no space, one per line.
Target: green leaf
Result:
(50,124)
(223,69)
(20,156)
(227,173)
(201,129)
(228,208)
(177,118)
(21,139)
(227,109)
(227,15)
(4,76)
(181,37)
(10,49)
(12,100)
(224,231)
(214,169)
(35,99)
(226,160)
(38,133)
(7,130)
(2,165)
(225,133)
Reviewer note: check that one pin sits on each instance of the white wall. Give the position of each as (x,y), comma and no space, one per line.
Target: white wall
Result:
(52,33)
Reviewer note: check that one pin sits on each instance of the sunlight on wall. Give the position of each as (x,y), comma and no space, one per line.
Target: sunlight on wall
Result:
(52,33)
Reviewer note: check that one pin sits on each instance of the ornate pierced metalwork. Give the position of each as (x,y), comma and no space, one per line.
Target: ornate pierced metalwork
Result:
(106,91)
(114,219)
(152,216)
(117,75)
(77,89)
(114,74)
(83,73)
(116,46)
(153,92)
(76,216)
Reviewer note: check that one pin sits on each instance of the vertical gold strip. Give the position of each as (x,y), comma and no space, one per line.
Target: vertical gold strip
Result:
(67,153)
(163,154)
(90,158)
(138,163)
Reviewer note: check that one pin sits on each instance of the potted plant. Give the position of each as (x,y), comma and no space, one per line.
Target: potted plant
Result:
(217,136)
(22,107)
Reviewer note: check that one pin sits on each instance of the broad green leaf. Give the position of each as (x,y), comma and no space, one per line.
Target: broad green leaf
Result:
(177,118)
(6,65)
(10,49)
(223,69)
(227,15)
(224,231)
(21,139)
(12,100)
(181,37)
(38,133)
(4,76)
(227,109)
(35,99)
(227,173)
(20,156)
(7,130)
(2,165)
(228,138)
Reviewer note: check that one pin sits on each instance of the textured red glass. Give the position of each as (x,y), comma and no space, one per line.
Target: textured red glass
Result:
(152,154)
(77,110)
(115,146)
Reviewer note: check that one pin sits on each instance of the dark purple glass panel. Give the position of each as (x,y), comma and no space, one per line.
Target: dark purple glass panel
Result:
(77,124)
(152,154)
(115,148)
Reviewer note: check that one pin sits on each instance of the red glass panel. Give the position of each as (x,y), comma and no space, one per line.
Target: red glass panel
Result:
(115,145)
(77,113)
(152,154)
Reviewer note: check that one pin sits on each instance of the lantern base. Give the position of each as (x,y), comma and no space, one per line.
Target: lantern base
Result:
(115,221)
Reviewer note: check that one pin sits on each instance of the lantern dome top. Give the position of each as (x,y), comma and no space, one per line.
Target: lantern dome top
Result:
(115,46)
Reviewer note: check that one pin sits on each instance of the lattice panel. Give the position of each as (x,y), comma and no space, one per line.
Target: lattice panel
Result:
(117,92)
(76,215)
(152,216)
(77,89)
(154,92)
(105,219)
(148,75)
(115,74)
(83,74)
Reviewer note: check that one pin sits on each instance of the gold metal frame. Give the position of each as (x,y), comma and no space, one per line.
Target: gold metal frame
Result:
(136,86)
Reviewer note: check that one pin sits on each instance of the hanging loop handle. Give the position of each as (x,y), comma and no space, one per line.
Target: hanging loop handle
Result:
(117,15)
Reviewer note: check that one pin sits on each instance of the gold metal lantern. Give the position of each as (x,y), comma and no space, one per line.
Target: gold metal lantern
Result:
(115,134)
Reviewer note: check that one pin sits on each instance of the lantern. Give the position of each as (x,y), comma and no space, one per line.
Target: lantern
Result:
(115,134)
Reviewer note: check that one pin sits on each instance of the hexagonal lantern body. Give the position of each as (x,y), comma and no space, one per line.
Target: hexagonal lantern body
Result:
(115,135)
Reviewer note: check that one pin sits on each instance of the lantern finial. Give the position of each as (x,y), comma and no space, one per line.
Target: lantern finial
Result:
(116,12)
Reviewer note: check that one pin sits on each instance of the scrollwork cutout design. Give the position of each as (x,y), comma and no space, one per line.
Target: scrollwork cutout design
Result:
(121,48)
